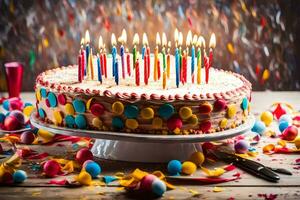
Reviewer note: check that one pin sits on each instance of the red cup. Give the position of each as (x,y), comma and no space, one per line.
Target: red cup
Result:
(14,74)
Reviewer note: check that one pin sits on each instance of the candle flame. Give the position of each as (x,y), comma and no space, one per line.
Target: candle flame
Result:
(164,39)
(180,39)
(158,42)
(169,44)
(124,35)
(87,37)
(188,38)
(100,43)
(145,39)
(176,35)
(195,38)
(82,41)
(201,41)
(113,39)
(136,39)
(212,41)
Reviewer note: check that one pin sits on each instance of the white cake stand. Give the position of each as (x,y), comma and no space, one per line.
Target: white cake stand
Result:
(144,147)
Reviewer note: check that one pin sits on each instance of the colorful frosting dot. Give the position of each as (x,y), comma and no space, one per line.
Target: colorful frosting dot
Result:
(244,103)
(52,99)
(38,95)
(205,126)
(88,103)
(193,120)
(166,111)
(147,113)
(223,123)
(28,110)
(117,123)
(131,111)
(70,121)
(57,117)
(80,121)
(231,110)
(205,108)
(97,109)
(185,112)
(131,124)
(79,106)
(157,123)
(219,105)
(43,92)
(117,108)
(97,122)
(174,123)
(62,99)
(42,113)
(69,109)
(47,103)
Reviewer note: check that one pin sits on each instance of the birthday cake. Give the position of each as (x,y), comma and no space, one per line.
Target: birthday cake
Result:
(103,95)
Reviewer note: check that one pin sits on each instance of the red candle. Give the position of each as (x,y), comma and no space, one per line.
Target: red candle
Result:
(128,63)
(184,66)
(79,68)
(148,62)
(146,69)
(83,63)
(105,64)
(102,63)
(206,65)
(137,72)
(158,69)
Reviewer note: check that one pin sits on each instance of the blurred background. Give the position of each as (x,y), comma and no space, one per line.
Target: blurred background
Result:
(259,39)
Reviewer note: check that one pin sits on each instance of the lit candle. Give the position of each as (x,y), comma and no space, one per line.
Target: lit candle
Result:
(164,44)
(156,57)
(180,40)
(188,41)
(168,59)
(200,44)
(184,67)
(123,40)
(212,45)
(79,68)
(145,44)
(87,51)
(116,72)
(82,53)
(206,66)
(136,41)
(104,61)
(177,65)
(128,62)
(194,42)
(99,69)
(113,52)
(146,69)
(137,72)
(100,46)
(91,65)
(145,57)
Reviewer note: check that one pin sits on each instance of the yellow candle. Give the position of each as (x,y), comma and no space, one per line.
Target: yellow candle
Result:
(156,57)
(164,80)
(200,43)
(168,60)
(91,64)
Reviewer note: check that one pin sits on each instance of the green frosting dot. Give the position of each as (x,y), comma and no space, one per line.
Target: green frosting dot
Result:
(166,111)
(117,123)
(131,111)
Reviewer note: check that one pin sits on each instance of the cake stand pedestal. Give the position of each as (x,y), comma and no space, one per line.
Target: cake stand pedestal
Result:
(144,147)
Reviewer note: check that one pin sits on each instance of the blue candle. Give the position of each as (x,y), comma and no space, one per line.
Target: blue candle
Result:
(177,66)
(116,72)
(114,53)
(193,62)
(99,69)
(87,52)
(143,52)
(122,61)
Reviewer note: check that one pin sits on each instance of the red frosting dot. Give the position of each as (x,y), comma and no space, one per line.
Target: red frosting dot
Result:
(47,103)
(219,105)
(97,109)
(205,126)
(62,99)
(173,123)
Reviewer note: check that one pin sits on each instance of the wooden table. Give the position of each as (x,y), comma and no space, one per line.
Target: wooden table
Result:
(248,187)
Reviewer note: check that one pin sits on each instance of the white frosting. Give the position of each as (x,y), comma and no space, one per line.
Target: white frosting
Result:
(219,81)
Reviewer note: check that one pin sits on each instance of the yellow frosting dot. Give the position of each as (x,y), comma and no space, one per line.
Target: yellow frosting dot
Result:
(57,117)
(97,122)
(28,110)
(131,123)
(147,113)
(157,122)
(69,109)
(223,123)
(188,167)
(185,112)
(231,110)
(176,131)
(88,103)
(117,108)
(193,120)
(38,95)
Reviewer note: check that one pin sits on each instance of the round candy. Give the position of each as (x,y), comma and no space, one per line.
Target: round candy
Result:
(241,146)
(52,99)
(51,168)
(245,103)
(70,121)
(193,120)
(27,137)
(11,123)
(62,99)
(174,167)
(219,105)
(28,110)
(166,111)
(57,117)
(42,113)
(197,158)
(146,182)
(84,178)
(93,169)
(297,142)
(83,155)
(290,133)
(205,108)
(18,115)
(117,108)
(131,111)
(86,162)
(97,109)
(43,92)
(19,176)
(117,123)
(97,122)
(38,95)
(80,121)
(223,123)
(79,106)
(258,127)
(287,118)
(131,124)
(185,112)
(283,125)
(266,117)
(2,117)
(231,110)
(158,187)
(69,109)
(174,123)
(188,167)
(147,113)
(205,126)
(157,123)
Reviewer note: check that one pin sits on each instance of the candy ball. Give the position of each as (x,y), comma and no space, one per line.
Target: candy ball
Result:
(286,117)
(146,182)
(93,169)
(84,178)
(18,115)
(205,108)
(297,142)
(83,155)
(241,146)
(283,125)
(266,117)
(19,176)
(27,137)
(173,123)
(258,127)
(131,111)
(290,133)
(219,105)
(166,111)
(158,187)
(188,167)
(174,167)
(51,168)
(11,123)
(185,112)
(197,158)
(86,162)
(97,109)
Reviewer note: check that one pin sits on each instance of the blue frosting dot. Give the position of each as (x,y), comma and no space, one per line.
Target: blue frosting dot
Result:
(42,113)
(259,127)
(5,104)
(131,111)
(79,106)
(166,111)
(52,99)
(245,103)
(283,125)
(80,121)
(70,121)
(2,117)
(117,123)
(43,92)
